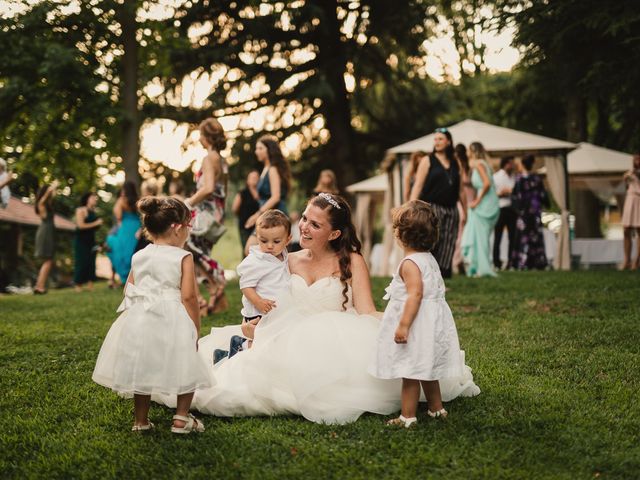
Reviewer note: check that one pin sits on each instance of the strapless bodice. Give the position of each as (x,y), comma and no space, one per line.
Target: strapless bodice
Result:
(325,294)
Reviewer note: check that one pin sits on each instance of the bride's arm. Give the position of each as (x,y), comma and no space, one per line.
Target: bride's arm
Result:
(361,286)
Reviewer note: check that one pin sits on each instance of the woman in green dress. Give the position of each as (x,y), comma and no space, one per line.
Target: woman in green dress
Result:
(45,235)
(84,242)
(482,215)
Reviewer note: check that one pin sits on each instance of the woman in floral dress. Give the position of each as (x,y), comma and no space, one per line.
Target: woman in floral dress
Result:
(528,198)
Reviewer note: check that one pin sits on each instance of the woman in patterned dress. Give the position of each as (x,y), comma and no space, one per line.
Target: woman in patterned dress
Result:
(207,206)
(528,198)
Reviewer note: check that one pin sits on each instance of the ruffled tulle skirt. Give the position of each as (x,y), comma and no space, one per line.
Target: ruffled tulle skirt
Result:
(308,364)
(152,352)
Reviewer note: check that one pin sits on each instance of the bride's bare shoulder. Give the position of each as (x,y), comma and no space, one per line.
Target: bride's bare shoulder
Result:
(297,258)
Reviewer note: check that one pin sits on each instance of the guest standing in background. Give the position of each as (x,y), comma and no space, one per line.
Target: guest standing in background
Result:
(274,184)
(5,180)
(245,204)
(438,183)
(208,206)
(528,198)
(410,174)
(176,189)
(631,213)
(148,188)
(84,242)
(482,215)
(470,194)
(122,243)
(294,243)
(504,180)
(327,182)
(45,235)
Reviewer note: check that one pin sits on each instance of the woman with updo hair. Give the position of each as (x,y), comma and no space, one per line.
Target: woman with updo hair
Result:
(208,203)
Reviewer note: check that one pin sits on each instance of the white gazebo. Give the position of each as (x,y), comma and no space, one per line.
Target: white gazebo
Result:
(598,169)
(498,141)
(369,193)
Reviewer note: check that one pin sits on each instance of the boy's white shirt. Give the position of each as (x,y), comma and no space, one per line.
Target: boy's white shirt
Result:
(264,272)
(503,180)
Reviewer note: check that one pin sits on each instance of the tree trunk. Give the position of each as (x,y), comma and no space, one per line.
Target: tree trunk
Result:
(336,109)
(129,77)
(584,204)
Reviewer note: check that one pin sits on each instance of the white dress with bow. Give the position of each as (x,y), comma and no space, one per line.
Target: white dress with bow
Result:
(151,347)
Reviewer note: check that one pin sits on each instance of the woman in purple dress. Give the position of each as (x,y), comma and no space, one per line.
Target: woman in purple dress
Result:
(528,198)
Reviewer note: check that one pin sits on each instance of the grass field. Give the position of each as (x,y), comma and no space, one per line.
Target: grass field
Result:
(556,356)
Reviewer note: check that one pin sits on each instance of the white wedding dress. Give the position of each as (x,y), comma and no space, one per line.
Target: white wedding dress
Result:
(309,358)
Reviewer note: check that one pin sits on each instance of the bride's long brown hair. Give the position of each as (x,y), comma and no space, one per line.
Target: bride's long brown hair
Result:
(347,243)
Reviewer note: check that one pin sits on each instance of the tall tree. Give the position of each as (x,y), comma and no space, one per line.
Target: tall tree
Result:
(589,55)
(292,61)
(69,96)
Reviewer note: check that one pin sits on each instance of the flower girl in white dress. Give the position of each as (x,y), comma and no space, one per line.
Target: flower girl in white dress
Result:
(152,347)
(418,340)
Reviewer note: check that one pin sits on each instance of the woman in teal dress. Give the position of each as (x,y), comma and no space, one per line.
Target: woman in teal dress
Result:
(274,184)
(481,217)
(87,222)
(122,244)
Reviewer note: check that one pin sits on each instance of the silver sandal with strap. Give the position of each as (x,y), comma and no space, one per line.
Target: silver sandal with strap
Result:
(442,413)
(191,424)
(143,428)
(402,421)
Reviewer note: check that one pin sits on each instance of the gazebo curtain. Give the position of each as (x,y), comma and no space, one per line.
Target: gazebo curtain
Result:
(556,177)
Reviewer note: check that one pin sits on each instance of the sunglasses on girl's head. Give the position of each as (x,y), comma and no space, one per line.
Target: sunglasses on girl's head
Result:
(441,130)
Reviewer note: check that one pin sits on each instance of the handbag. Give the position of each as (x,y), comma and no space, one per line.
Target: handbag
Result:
(207,225)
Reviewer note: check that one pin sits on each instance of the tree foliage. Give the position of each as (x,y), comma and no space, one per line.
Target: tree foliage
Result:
(344,79)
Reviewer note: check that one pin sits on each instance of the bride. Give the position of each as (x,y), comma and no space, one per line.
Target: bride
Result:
(310,354)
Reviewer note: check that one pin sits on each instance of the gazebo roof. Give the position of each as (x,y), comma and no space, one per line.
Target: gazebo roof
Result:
(591,159)
(379,183)
(496,140)
(23,213)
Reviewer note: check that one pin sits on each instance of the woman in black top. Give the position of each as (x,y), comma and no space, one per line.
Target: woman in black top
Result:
(438,182)
(87,222)
(246,204)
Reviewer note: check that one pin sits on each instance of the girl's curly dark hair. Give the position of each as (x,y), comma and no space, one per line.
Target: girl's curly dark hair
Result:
(416,225)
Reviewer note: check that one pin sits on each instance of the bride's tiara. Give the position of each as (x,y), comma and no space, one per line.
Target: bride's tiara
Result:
(329,199)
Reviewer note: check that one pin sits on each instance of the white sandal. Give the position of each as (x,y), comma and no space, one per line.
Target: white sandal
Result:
(191,424)
(442,413)
(143,428)
(402,421)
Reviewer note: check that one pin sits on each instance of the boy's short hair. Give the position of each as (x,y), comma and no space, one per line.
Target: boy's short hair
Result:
(416,225)
(274,218)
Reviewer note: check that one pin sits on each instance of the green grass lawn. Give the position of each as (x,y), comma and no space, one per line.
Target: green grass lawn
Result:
(556,356)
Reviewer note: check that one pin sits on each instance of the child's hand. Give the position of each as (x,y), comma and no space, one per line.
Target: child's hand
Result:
(264,305)
(248,328)
(401,335)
